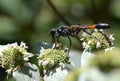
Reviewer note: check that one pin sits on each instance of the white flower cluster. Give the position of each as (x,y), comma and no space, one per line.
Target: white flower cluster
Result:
(5,53)
(97,40)
(52,57)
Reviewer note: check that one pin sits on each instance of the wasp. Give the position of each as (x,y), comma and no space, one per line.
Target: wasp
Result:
(73,30)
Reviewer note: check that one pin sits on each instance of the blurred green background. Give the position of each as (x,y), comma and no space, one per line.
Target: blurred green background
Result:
(31,20)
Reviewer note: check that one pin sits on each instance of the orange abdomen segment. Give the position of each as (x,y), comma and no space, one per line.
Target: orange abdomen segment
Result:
(92,26)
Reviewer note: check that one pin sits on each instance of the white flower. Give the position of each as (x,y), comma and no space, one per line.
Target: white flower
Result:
(52,63)
(27,56)
(4,47)
(86,57)
(45,63)
(85,45)
(22,44)
(89,42)
(111,37)
(13,45)
(9,53)
(81,39)
(62,64)
(96,30)
(109,49)
(41,50)
(101,30)
(98,45)
(40,62)
(9,71)
(84,34)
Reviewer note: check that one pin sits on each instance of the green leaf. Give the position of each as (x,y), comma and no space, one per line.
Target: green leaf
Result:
(29,72)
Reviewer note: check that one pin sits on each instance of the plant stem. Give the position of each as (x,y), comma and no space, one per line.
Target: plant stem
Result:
(58,13)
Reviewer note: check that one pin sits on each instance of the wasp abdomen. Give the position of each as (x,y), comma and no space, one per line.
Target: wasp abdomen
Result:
(102,26)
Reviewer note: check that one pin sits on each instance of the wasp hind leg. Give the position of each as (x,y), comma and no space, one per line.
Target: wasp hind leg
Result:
(84,30)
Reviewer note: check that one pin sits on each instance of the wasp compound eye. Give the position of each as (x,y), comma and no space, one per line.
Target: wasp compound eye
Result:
(53,32)
(102,26)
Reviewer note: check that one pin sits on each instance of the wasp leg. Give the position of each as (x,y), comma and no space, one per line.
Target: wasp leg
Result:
(84,30)
(107,38)
(70,43)
(57,42)
(74,32)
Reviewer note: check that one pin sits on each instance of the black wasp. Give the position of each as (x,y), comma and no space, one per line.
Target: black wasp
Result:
(73,30)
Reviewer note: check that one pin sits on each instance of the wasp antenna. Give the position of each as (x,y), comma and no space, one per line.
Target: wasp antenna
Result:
(45,38)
